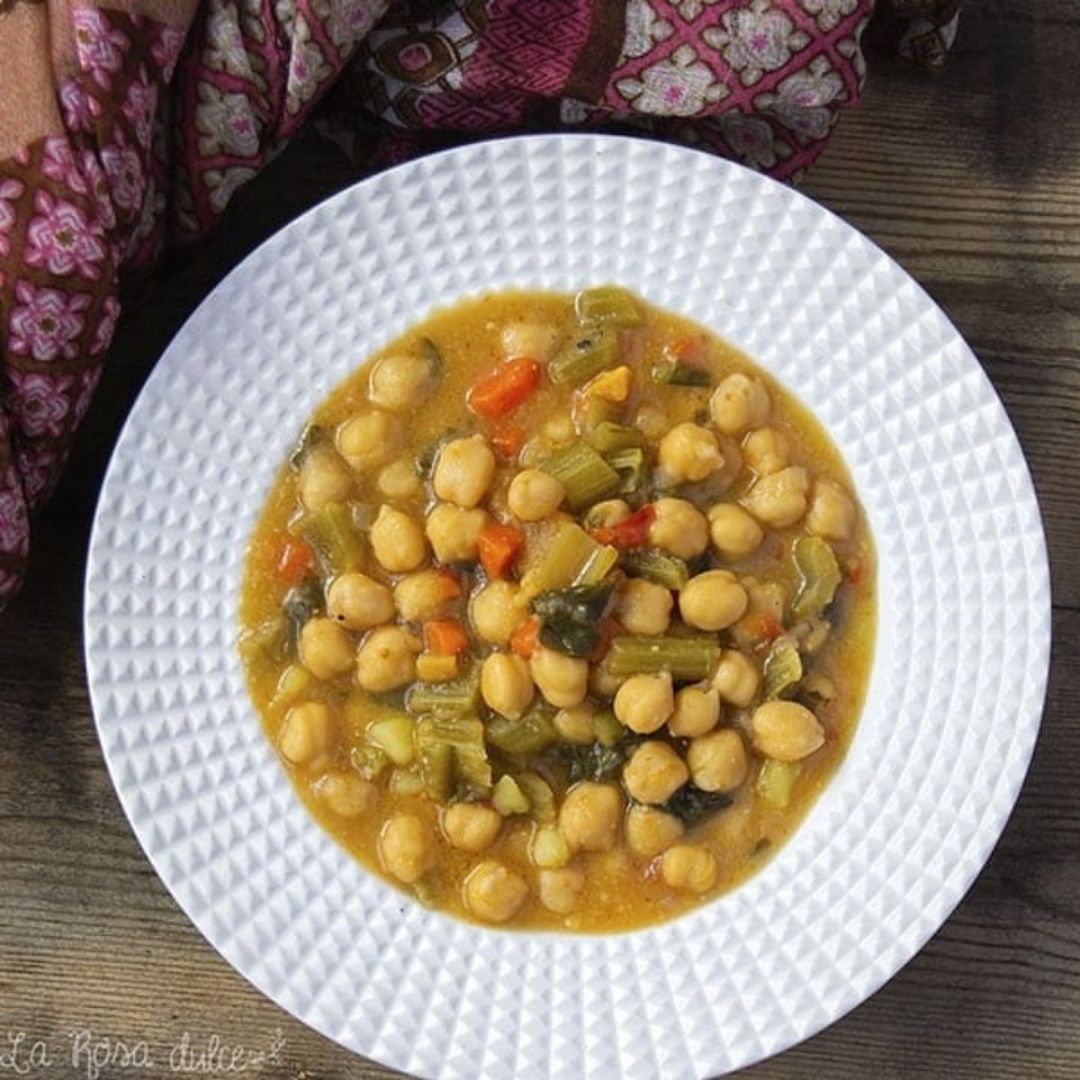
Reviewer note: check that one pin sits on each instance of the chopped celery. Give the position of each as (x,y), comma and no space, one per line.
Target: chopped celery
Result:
(265,644)
(607,305)
(571,557)
(312,435)
(452,756)
(606,728)
(630,465)
(394,736)
(528,734)
(406,782)
(444,698)
(782,669)
(687,658)
(508,798)
(667,570)
(570,618)
(584,358)
(672,373)
(608,437)
(775,782)
(597,567)
(541,798)
(329,530)
(820,575)
(587,477)
(369,761)
(594,412)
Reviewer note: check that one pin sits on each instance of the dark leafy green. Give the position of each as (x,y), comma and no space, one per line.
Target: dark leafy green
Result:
(691,805)
(594,761)
(570,618)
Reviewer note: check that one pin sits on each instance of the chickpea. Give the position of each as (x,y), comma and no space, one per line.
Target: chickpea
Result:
(549,848)
(387,659)
(651,421)
(406,848)
(738,403)
(452,532)
(736,678)
(427,594)
(397,541)
(644,703)
(471,826)
(559,430)
(735,534)
(766,451)
(644,607)
(464,471)
(696,712)
(401,382)
(534,495)
(323,478)
(560,889)
(370,439)
(493,892)
(563,680)
(832,512)
(506,684)
(607,514)
(497,611)
(713,600)
(650,831)
(325,648)
(602,683)
(786,730)
(589,816)
(575,725)
(345,793)
(689,453)
(533,340)
(358,602)
(718,761)
(398,480)
(679,527)
(306,732)
(689,867)
(654,772)
(779,499)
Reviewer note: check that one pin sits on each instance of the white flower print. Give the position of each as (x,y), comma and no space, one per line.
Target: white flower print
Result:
(802,101)
(224,43)
(39,403)
(166,49)
(99,47)
(222,184)
(60,239)
(752,139)
(10,189)
(110,312)
(829,12)
(308,68)
(682,85)
(127,182)
(348,21)
(691,9)
(58,163)
(81,108)
(12,520)
(46,323)
(225,122)
(644,28)
(755,40)
(140,107)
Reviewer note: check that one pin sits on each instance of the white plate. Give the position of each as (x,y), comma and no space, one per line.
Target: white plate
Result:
(957,685)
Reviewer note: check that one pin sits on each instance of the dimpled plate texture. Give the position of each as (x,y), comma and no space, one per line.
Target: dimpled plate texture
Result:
(957,685)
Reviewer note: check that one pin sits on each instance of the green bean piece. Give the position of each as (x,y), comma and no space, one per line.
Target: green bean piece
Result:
(458,698)
(329,530)
(687,658)
(607,437)
(266,644)
(775,782)
(585,475)
(369,761)
(672,373)
(541,798)
(598,565)
(528,734)
(453,757)
(584,358)
(819,573)
(667,570)
(607,305)
(782,669)
(566,559)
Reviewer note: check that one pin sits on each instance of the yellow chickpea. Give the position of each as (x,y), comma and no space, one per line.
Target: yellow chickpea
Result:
(534,495)
(306,732)
(493,892)
(401,382)
(497,611)
(779,499)
(464,471)
(650,831)
(397,541)
(832,512)
(549,849)
(532,340)
(387,659)
(427,594)
(736,678)
(644,703)
(345,793)
(560,889)
(575,725)
(563,680)
(766,451)
(323,478)
(689,453)
(654,772)
(644,607)
(452,532)
(786,731)
(358,602)
(406,848)
(679,527)
(325,649)
(739,402)
(589,816)
(506,685)
(712,600)
(471,826)
(370,439)
(689,867)
(718,761)
(398,480)
(697,711)
(735,534)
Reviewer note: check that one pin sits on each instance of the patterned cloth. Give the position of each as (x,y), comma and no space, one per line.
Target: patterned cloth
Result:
(128,127)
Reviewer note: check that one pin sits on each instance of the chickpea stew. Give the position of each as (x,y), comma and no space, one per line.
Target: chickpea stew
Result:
(561,613)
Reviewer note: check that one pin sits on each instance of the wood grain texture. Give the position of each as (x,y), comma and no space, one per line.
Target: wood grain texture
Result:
(971,179)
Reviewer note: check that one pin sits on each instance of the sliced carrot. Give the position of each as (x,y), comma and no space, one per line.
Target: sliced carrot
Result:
(498,546)
(856,572)
(449,586)
(764,627)
(295,561)
(505,388)
(631,533)
(446,637)
(687,348)
(525,640)
(507,439)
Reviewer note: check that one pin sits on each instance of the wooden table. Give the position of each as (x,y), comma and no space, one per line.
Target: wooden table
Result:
(971,179)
